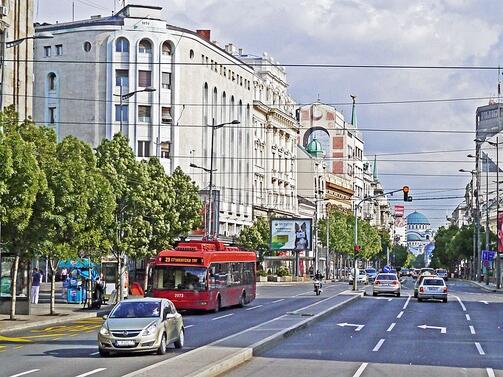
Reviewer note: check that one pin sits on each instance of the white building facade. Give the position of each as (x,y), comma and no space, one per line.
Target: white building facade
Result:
(197,84)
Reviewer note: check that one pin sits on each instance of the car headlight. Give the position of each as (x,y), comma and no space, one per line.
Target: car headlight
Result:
(104,331)
(150,329)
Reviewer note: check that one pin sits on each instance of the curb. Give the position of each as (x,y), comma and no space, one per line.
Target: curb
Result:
(52,321)
(480,285)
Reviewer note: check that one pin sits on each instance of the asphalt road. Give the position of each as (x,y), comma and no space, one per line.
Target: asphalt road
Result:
(388,336)
(70,350)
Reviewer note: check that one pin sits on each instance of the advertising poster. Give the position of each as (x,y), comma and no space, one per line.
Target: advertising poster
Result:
(500,231)
(291,234)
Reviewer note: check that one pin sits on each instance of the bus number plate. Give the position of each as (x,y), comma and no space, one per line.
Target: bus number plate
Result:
(178,295)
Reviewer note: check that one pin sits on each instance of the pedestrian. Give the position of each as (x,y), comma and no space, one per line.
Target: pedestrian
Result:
(36,278)
(64,273)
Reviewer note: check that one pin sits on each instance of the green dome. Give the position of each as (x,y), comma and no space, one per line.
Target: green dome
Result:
(314,148)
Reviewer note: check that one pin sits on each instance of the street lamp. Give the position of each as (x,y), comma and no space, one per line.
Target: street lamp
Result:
(476,212)
(214,127)
(477,201)
(123,97)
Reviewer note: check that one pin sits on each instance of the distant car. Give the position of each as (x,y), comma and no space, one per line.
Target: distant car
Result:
(432,288)
(361,277)
(420,279)
(404,272)
(142,325)
(442,273)
(371,274)
(427,269)
(386,283)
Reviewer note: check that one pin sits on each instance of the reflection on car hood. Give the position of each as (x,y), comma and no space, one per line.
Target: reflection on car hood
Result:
(128,323)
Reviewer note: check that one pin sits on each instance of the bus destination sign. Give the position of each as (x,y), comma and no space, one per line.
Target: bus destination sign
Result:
(182,260)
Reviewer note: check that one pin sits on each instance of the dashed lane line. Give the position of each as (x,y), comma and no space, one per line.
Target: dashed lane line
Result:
(484,302)
(188,326)
(360,370)
(281,299)
(254,307)
(378,345)
(406,303)
(223,316)
(391,327)
(400,314)
(468,318)
(479,348)
(490,372)
(461,303)
(25,373)
(94,371)
(472,330)
(94,354)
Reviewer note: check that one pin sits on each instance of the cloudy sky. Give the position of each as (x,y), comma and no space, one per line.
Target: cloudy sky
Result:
(363,32)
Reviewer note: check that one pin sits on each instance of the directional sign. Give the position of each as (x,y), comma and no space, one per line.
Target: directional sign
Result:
(488,255)
(443,330)
(387,268)
(358,327)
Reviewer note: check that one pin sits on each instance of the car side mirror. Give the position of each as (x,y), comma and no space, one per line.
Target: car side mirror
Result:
(105,317)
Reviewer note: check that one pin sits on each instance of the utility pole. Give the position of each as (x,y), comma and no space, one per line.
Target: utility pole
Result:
(488,233)
(498,256)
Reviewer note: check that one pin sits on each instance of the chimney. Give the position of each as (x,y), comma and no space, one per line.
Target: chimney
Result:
(240,52)
(204,34)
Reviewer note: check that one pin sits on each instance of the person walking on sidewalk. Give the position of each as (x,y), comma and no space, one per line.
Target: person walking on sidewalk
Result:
(36,278)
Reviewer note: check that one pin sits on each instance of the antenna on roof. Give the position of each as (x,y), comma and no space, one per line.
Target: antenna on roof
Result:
(499,84)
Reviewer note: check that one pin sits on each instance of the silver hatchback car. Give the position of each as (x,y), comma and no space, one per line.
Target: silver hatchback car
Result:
(142,325)
(432,288)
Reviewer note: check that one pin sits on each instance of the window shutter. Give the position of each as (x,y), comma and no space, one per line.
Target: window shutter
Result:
(144,79)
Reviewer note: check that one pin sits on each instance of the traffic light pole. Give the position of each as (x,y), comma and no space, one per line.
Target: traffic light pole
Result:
(356,247)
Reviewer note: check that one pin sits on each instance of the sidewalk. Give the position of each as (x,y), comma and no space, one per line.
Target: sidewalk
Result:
(491,287)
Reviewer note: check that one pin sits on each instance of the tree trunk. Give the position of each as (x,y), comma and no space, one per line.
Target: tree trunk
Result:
(145,283)
(52,304)
(120,295)
(14,289)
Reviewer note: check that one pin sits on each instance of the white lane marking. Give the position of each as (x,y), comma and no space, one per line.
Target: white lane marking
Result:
(357,326)
(490,372)
(472,330)
(188,326)
(461,303)
(443,330)
(391,327)
(484,302)
(406,303)
(223,316)
(281,299)
(378,345)
(255,307)
(94,354)
(468,317)
(360,370)
(25,373)
(91,372)
(400,315)
(479,348)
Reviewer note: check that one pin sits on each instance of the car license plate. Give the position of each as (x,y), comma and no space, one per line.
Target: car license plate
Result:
(386,284)
(125,342)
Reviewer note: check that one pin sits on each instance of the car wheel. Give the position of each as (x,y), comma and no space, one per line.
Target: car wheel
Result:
(398,294)
(415,294)
(242,300)
(419,299)
(181,340)
(444,300)
(374,294)
(103,353)
(162,347)
(219,305)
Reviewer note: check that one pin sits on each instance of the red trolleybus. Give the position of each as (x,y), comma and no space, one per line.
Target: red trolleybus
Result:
(204,275)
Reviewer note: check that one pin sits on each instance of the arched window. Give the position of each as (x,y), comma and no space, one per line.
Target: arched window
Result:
(166,48)
(145,47)
(122,45)
(214,101)
(223,108)
(205,104)
(51,80)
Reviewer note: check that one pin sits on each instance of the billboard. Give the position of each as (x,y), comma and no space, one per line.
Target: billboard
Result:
(399,210)
(291,234)
(500,231)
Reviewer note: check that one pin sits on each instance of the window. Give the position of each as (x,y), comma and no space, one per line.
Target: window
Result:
(122,45)
(87,46)
(52,115)
(143,148)
(145,47)
(191,54)
(121,77)
(166,48)
(144,79)
(47,51)
(59,50)
(166,80)
(52,81)
(165,149)
(166,115)
(144,113)
(124,113)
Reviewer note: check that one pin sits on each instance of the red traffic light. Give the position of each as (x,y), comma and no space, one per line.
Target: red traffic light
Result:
(357,248)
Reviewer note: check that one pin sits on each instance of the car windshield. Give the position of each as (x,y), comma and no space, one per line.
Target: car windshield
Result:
(180,278)
(386,277)
(441,271)
(433,282)
(135,309)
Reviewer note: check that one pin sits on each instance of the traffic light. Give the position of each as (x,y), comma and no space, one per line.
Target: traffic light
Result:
(406,197)
(357,248)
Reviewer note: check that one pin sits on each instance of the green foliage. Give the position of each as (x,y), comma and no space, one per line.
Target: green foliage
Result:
(256,237)
(261,273)
(282,271)
(187,203)
(400,256)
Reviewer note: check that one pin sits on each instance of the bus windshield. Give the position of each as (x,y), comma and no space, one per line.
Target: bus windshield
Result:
(180,278)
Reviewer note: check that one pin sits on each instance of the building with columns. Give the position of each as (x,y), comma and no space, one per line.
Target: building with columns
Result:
(85,68)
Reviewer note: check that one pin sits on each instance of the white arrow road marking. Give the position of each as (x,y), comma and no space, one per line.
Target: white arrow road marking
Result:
(358,327)
(443,330)
(25,373)
(360,370)
(479,348)
(378,345)
(490,372)
(484,302)
(91,372)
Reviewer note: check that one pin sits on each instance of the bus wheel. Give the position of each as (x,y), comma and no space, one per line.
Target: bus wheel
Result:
(242,301)
(219,305)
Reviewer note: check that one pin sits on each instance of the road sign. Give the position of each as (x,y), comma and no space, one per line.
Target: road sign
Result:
(488,255)
(387,268)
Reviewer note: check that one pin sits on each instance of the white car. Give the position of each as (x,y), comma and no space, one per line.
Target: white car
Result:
(361,277)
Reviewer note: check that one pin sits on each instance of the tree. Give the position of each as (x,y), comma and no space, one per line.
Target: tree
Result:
(19,194)
(400,256)
(187,203)
(256,237)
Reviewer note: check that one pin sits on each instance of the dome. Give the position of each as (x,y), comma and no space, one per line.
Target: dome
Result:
(314,148)
(417,218)
(413,237)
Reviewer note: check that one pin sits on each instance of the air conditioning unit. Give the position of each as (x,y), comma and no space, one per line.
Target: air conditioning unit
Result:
(4,11)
